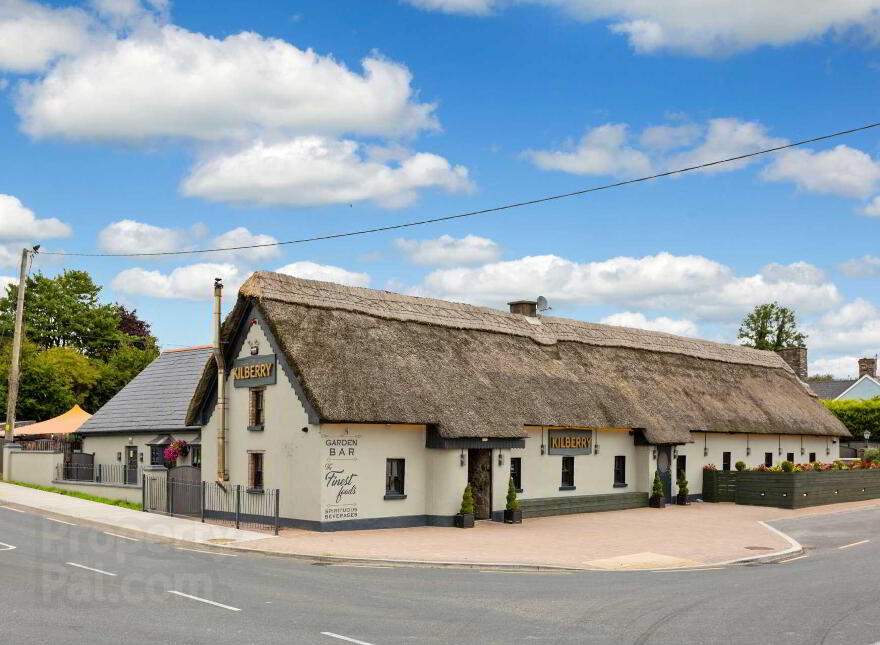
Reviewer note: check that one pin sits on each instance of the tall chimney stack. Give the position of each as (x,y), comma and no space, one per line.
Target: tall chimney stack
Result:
(868,366)
(796,357)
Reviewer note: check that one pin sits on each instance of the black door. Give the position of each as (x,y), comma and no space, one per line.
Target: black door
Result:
(664,463)
(131,465)
(480,478)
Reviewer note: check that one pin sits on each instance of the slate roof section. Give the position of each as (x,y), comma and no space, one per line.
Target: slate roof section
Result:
(830,390)
(156,399)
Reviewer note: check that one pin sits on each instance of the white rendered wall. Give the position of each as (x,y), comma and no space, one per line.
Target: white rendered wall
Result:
(107,448)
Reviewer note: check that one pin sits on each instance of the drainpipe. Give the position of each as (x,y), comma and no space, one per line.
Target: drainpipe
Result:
(222,475)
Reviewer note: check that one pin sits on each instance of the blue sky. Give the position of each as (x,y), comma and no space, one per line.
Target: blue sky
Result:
(130,126)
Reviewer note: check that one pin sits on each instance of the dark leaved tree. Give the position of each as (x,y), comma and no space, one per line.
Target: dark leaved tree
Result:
(770,326)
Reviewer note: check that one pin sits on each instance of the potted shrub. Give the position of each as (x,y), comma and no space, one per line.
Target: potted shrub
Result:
(465,517)
(682,498)
(512,514)
(740,465)
(786,466)
(657,499)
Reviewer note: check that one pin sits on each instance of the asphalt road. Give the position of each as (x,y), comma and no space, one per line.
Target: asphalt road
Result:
(159,593)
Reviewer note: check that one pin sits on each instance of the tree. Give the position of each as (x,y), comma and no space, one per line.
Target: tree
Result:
(131,325)
(770,326)
(64,312)
(819,378)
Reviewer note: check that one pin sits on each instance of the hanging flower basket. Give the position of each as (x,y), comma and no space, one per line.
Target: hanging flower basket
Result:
(174,450)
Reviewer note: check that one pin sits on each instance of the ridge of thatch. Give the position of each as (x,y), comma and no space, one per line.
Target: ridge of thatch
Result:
(377,357)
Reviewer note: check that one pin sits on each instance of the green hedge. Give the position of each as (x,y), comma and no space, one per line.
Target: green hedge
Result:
(858,416)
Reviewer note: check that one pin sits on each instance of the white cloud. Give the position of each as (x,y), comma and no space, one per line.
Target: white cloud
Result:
(243,237)
(797,272)
(449,251)
(702,27)
(601,151)
(475,7)
(19,223)
(310,171)
(165,81)
(872,208)
(5,281)
(867,266)
(605,151)
(841,367)
(840,171)
(692,285)
(129,236)
(326,273)
(33,35)
(853,328)
(851,314)
(192,282)
(638,320)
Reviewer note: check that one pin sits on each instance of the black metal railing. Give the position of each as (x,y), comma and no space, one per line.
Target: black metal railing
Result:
(229,504)
(115,474)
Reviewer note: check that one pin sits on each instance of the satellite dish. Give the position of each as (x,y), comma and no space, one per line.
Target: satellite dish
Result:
(543,305)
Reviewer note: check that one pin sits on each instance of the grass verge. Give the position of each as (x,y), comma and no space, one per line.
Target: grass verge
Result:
(92,498)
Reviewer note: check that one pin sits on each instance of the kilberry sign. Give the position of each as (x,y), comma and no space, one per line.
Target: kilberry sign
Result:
(254,371)
(570,442)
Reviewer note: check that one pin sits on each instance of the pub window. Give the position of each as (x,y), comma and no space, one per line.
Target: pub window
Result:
(620,471)
(255,471)
(516,473)
(157,455)
(790,457)
(567,472)
(725,461)
(258,412)
(812,457)
(394,477)
(768,459)
(196,452)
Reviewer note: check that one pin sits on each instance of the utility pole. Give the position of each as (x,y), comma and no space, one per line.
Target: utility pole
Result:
(12,390)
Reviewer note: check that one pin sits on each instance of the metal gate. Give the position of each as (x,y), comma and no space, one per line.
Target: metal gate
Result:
(184,490)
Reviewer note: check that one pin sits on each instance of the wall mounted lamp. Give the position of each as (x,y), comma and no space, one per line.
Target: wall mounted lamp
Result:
(654,454)
(543,448)
(141,457)
(118,456)
(596,450)
(500,458)
(461,459)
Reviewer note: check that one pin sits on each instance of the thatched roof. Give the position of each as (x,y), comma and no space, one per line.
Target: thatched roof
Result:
(371,356)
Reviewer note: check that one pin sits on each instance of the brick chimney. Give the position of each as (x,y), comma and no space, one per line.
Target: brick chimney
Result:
(868,366)
(796,357)
(524,307)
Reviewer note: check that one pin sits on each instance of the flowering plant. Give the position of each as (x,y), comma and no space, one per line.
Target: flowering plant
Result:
(177,448)
(710,467)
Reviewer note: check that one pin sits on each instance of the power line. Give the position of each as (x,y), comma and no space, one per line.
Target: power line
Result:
(484,211)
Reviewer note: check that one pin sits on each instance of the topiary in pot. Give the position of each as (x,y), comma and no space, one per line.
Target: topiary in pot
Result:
(512,514)
(657,499)
(465,517)
(786,466)
(740,465)
(682,489)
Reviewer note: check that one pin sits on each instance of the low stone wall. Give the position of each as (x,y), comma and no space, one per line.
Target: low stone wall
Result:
(546,506)
(802,489)
(131,494)
(31,467)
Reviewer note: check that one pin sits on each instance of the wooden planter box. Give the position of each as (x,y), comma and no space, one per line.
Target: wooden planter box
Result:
(512,517)
(464,521)
(720,485)
(799,490)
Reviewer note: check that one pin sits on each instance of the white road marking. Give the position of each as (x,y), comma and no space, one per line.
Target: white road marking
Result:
(9,508)
(345,638)
(6,547)
(554,573)
(228,555)
(204,600)
(686,570)
(122,537)
(846,546)
(52,519)
(800,557)
(82,566)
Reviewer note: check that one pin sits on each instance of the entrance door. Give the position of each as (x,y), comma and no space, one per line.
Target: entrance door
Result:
(664,461)
(480,478)
(131,465)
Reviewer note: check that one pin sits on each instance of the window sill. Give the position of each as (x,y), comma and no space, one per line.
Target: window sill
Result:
(255,491)
(258,428)
(620,485)
(518,491)
(394,496)
(568,488)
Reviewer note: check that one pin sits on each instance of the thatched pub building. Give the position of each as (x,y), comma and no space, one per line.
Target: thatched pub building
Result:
(371,409)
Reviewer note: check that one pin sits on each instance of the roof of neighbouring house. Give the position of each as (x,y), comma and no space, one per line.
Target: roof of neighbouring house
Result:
(830,390)
(157,398)
(70,421)
(370,356)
